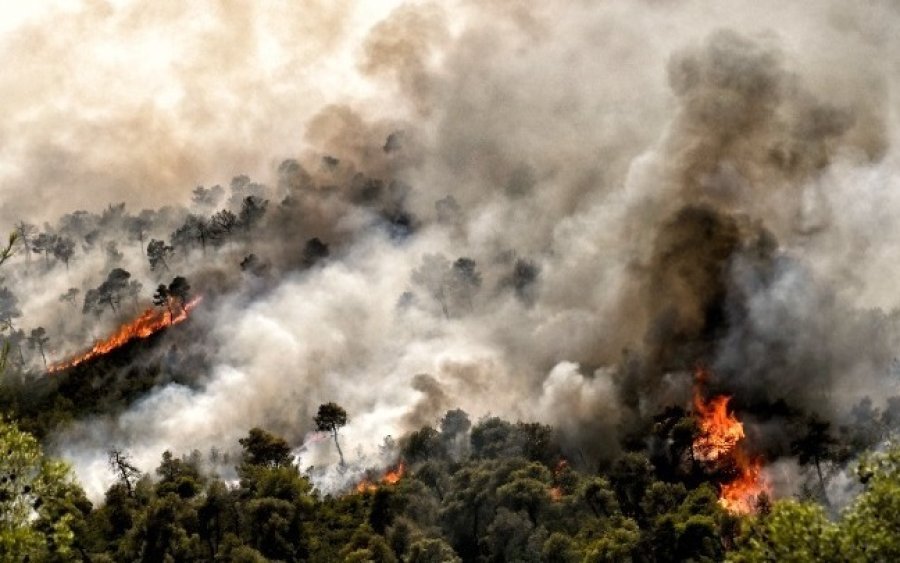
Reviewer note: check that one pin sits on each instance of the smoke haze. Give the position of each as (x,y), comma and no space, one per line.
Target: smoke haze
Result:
(541,212)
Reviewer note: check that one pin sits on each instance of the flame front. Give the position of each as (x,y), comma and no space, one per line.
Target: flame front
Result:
(150,322)
(719,441)
(719,430)
(741,494)
(391,477)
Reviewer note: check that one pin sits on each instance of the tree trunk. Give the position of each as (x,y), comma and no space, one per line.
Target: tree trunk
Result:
(821,481)
(340,453)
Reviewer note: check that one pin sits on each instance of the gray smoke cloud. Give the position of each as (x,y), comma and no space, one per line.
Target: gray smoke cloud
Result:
(638,186)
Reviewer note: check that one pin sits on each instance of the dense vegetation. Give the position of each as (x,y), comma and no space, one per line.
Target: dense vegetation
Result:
(485,490)
(495,491)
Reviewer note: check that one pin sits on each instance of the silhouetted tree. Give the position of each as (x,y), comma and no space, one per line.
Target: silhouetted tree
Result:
(63,249)
(9,307)
(162,298)
(138,226)
(264,449)
(157,253)
(523,278)
(14,339)
(7,252)
(44,244)
(113,256)
(110,292)
(37,340)
(120,463)
(70,296)
(112,217)
(180,289)
(224,222)
(816,446)
(252,210)
(195,228)
(330,418)
(25,232)
(207,198)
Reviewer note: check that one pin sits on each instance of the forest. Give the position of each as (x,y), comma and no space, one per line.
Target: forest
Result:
(492,491)
(416,281)
(452,489)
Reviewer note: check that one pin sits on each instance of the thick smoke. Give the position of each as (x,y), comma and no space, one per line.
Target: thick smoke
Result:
(534,213)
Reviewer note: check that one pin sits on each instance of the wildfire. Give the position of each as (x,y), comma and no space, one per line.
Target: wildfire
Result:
(740,495)
(720,431)
(150,322)
(556,494)
(391,477)
(720,441)
(556,491)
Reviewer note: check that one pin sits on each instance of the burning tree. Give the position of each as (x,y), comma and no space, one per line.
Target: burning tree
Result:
(178,290)
(719,442)
(148,323)
(330,417)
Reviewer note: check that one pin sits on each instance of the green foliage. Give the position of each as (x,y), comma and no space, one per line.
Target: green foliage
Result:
(41,508)
(265,450)
(432,551)
(7,252)
(868,530)
(509,500)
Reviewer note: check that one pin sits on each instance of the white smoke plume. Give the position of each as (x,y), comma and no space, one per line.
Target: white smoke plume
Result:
(639,184)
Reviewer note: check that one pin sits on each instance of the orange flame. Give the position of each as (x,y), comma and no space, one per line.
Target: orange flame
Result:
(391,477)
(150,322)
(556,494)
(741,494)
(720,431)
(720,439)
(556,491)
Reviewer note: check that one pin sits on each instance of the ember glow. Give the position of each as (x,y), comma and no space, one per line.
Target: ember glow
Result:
(150,322)
(719,442)
(391,477)
(556,491)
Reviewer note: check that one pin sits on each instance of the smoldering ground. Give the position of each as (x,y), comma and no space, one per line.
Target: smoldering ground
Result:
(567,210)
